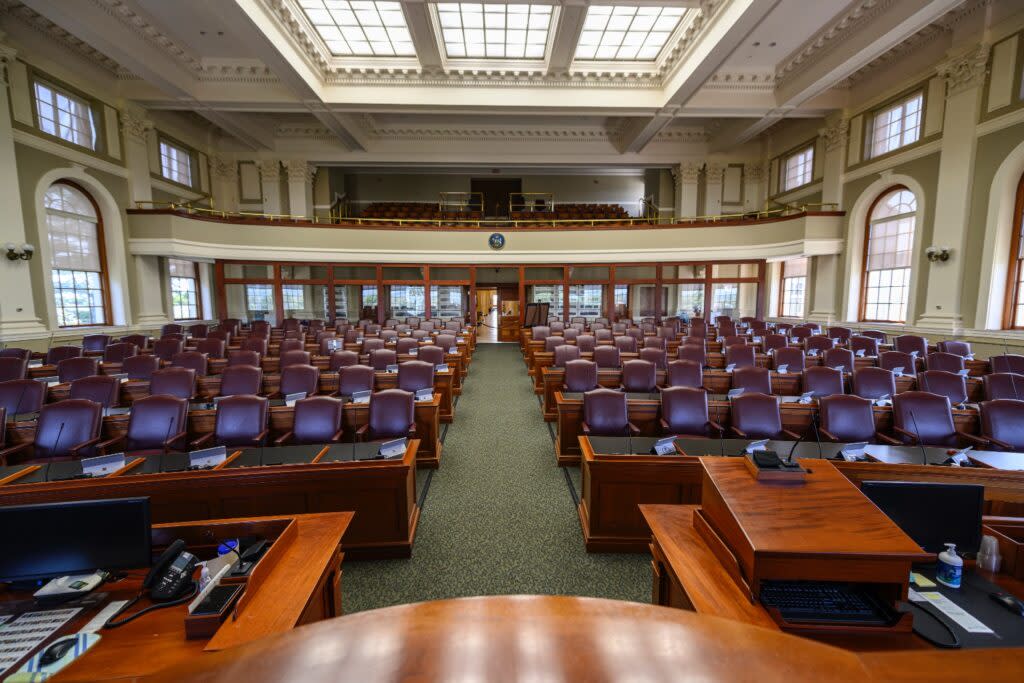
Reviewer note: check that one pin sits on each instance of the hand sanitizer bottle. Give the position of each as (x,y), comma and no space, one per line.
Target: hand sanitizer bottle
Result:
(951,567)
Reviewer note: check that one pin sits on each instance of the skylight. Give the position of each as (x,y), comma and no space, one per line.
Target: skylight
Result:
(360,27)
(627,33)
(497,31)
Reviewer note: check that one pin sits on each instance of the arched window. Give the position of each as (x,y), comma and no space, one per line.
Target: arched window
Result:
(888,255)
(1013,316)
(77,256)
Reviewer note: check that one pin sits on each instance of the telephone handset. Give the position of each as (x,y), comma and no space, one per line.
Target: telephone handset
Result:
(171,575)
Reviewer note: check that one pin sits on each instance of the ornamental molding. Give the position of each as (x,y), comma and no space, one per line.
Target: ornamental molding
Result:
(7,55)
(134,125)
(714,171)
(684,135)
(835,137)
(55,33)
(376,131)
(299,170)
(965,71)
(754,172)
(686,173)
(141,25)
(224,168)
(741,82)
(270,169)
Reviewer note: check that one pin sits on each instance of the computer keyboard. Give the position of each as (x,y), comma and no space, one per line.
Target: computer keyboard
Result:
(824,602)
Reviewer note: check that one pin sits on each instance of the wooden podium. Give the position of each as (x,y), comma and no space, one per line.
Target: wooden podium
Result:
(822,529)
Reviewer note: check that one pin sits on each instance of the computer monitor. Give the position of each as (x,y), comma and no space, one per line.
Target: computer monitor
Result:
(60,539)
(932,514)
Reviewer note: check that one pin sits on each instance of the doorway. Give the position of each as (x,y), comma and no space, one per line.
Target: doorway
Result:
(487,306)
(496,193)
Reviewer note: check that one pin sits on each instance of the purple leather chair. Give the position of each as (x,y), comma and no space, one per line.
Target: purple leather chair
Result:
(654,343)
(840,334)
(822,381)
(257,344)
(95,343)
(172,328)
(874,383)
(166,349)
(453,326)
(141,341)
(752,380)
(392,416)
(927,414)
(299,379)
(65,430)
(908,343)
(948,384)
(868,345)
(698,328)
(890,360)
(243,358)
(667,332)
(586,343)
(414,375)
(638,333)
(565,353)
(261,326)
(232,325)
(791,357)
(580,376)
(353,378)
(603,335)
(571,334)
(874,334)
(12,368)
(756,416)
(551,343)
(212,348)
(770,342)
(327,342)
(447,341)
(685,373)
(380,359)
(815,345)
(726,327)
(435,355)
(639,376)
(740,356)
(157,424)
(241,380)
(103,389)
(70,369)
(192,360)
(175,337)
(950,362)
(1003,385)
(241,422)
(296,358)
(693,353)
(684,412)
(802,332)
(607,357)
(540,333)
(116,353)
(317,421)
(959,348)
(626,344)
(407,345)
(606,413)
(847,419)
(199,330)
(177,382)
(1002,424)
(342,359)
(840,359)
(557,326)
(296,345)
(291,325)
(22,396)
(140,367)
(59,353)
(1009,362)
(654,355)
(13,352)
(352,335)
(733,339)
(419,334)
(619,328)
(371,345)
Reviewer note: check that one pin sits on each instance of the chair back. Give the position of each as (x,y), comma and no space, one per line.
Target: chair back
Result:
(685,373)
(141,366)
(299,379)
(890,360)
(103,389)
(1003,385)
(22,396)
(607,357)
(295,358)
(586,343)
(580,375)
(655,355)
(959,348)
(932,418)
(626,344)
(692,352)
(948,384)
(685,410)
(551,343)
(757,415)
(406,345)
(879,336)
(565,353)
(243,358)
(172,328)
(13,352)
(639,376)
(380,359)
(840,334)
(116,353)
(174,381)
(95,342)
(849,419)
(154,420)
(752,380)
(192,360)
(58,353)
(64,425)
(540,332)
(341,359)
(414,375)
(392,413)
(199,330)
(869,345)
(213,348)
(908,343)
(353,378)
(240,420)
(140,340)
(740,355)
(12,369)
(874,383)
(70,369)
(166,349)
(790,356)
(822,381)
(1003,419)
(818,344)
(317,420)
(606,412)
(241,380)
(770,342)
(840,359)
(296,345)
(950,362)
(1009,362)
(603,335)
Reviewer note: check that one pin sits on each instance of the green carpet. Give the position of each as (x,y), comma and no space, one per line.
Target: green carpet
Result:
(499,517)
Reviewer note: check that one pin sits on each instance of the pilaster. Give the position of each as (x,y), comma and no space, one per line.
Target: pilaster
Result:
(686,176)
(713,175)
(270,178)
(300,186)
(834,142)
(136,129)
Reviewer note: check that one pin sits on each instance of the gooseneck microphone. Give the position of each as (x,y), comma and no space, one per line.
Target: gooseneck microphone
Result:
(170,426)
(56,443)
(817,437)
(629,439)
(917,433)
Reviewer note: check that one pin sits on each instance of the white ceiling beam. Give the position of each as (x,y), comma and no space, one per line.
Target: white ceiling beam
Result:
(424,39)
(817,69)
(567,35)
(723,32)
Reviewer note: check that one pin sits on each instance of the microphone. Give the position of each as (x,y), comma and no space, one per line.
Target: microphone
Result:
(170,426)
(721,439)
(817,438)
(17,406)
(60,432)
(629,440)
(917,432)
(789,457)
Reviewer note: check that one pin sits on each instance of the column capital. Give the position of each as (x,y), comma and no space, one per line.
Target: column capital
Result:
(685,173)
(7,55)
(270,169)
(753,171)
(135,125)
(835,137)
(224,168)
(714,171)
(965,71)
(299,170)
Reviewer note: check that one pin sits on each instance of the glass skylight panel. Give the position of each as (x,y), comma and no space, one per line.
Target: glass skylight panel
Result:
(360,27)
(496,31)
(627,33)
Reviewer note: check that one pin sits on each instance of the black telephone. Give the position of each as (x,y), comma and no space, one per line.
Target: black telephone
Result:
(171,575)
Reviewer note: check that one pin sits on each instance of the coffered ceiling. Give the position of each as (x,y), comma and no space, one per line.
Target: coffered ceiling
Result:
(362,81)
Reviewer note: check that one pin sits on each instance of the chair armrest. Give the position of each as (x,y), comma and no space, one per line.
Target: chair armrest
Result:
(14,450)
(107,446)
(585,428)
(718,427)
(261,437)
(972,439)
(337,436)
(828,435)
(283,439)
(174,439)
(202,441)
(1001,444)
(664,425)
(633,429)
(792,435)
(361,432)
(739,432)
(903,432)
(412,430)
(888,440)
(82,446)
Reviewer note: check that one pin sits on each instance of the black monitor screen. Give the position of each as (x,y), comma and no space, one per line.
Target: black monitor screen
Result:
(60,539)
(932,514)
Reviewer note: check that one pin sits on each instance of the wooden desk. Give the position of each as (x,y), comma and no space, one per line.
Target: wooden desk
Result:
(380,492)
(302,588)
(643,412)
(553,378)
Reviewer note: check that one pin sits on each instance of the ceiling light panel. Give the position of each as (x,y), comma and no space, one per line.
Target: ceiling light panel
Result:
(475,30)
(360,27)
(627,33)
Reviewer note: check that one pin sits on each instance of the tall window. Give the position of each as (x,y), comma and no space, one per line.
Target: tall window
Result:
(888,252)
(293,297)
(67,116)
(586,300)
(77,258)
(691,300)
(794,287)
(184,289)
(895,126)
(799,168)
(1014,314)
(259,301)
(175,163)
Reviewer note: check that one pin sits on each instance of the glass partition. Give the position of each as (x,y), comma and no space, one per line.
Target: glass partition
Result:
(248,271)
(404,300)
(449,301)
(250,302)
(684,300)
(305,302)
(586,301)
(546,294)
(734,299)
(303,272)
(641,301)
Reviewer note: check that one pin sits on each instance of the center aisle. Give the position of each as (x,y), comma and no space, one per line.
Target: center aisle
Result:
(498,517)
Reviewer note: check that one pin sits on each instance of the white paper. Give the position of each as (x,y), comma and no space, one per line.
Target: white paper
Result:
(96,623)
(28,632)
(951,610)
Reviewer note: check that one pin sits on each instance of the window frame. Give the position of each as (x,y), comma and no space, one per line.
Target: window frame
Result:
(862,306)
(182,148)
(782,289)
(104,268)
(96,113)
(1016,264)
(196,278)
(784,168)
(872,117)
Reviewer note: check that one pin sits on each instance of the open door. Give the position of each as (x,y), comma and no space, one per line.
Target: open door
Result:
(496,192)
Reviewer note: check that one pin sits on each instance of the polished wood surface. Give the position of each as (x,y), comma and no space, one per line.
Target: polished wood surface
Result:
(301,588)
(527,638)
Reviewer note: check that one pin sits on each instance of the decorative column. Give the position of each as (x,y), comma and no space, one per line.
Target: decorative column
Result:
(834,140)
(148,293)
(270,177)
(686,175)
(18,319)
(300,186)
(136,128)
(713,188)
(965,78)
(225,183)
(753,196)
